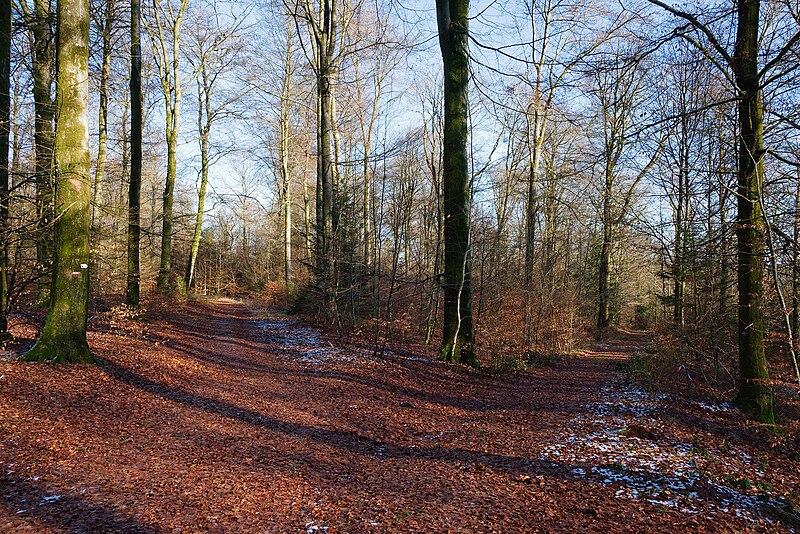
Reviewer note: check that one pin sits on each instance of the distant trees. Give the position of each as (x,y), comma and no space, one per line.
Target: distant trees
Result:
(214,49)
(619,90)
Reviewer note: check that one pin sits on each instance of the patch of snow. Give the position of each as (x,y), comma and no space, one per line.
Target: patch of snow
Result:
(312,527)
(304,344)
(716,408)
(663,473)
(50,499)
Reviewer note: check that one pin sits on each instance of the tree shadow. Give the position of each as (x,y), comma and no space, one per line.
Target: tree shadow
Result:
(59,510)
(345,440)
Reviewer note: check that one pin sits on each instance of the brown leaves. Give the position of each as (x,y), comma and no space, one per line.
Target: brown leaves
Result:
(215,429)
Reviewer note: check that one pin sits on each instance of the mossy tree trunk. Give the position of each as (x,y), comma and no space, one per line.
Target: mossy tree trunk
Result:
(63,338)
(5,131)
(755,395)
(457,338)
(135,186)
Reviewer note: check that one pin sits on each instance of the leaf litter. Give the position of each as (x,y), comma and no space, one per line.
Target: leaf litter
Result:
(254,424)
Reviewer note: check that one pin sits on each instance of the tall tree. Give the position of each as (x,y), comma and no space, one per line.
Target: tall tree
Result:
(742,71)
(40,22)
(457,337)
(5,131)
(63,338)
(135,185)
(105,21)
(214,52)
(283,155)
(164,30)
(322,22)
(619,91)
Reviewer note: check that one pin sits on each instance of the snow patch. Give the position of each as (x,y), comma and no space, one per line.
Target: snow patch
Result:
(306,344)
(661,472)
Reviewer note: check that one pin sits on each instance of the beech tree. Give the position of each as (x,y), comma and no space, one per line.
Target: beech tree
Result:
(215,45)
(619,91)
(132,286)
(106,25)
(5,131)
(63,338)
(164,29)
(40,23)
(746,78)
(457,337)
(322,23)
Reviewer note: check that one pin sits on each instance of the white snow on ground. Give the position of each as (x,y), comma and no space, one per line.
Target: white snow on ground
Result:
(662,472)
(305,344)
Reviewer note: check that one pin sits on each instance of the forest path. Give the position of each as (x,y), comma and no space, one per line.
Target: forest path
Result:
(225,418)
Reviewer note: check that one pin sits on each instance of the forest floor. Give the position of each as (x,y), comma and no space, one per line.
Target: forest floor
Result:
(221,416)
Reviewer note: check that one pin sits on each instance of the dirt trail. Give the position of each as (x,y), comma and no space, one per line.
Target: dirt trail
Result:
(220,420)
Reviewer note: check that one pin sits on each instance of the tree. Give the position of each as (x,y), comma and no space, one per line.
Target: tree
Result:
(5,131)
(457,337)
(63,338)
(323,28)
(164,30)
(741,69)
(619,91)
(214,53)
(40,21)
(135,185)
(284,110)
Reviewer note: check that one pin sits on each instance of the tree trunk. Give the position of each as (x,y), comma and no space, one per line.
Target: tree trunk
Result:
(755,395)
(170,74)
(325,34)
(43,135)
(286,185)
(796,259)
(63,338)
(604,270)
(204,121)
(102,120)
(135,187)
(604,275)
(201,206)
(307,227)
(678,277)
(163,283)
(457,337)
(5,136)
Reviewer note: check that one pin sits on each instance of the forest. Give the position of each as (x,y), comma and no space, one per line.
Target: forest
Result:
(394,265)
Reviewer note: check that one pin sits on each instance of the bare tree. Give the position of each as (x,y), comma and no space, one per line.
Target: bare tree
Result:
(214,51)
(164,29)
(5,131)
